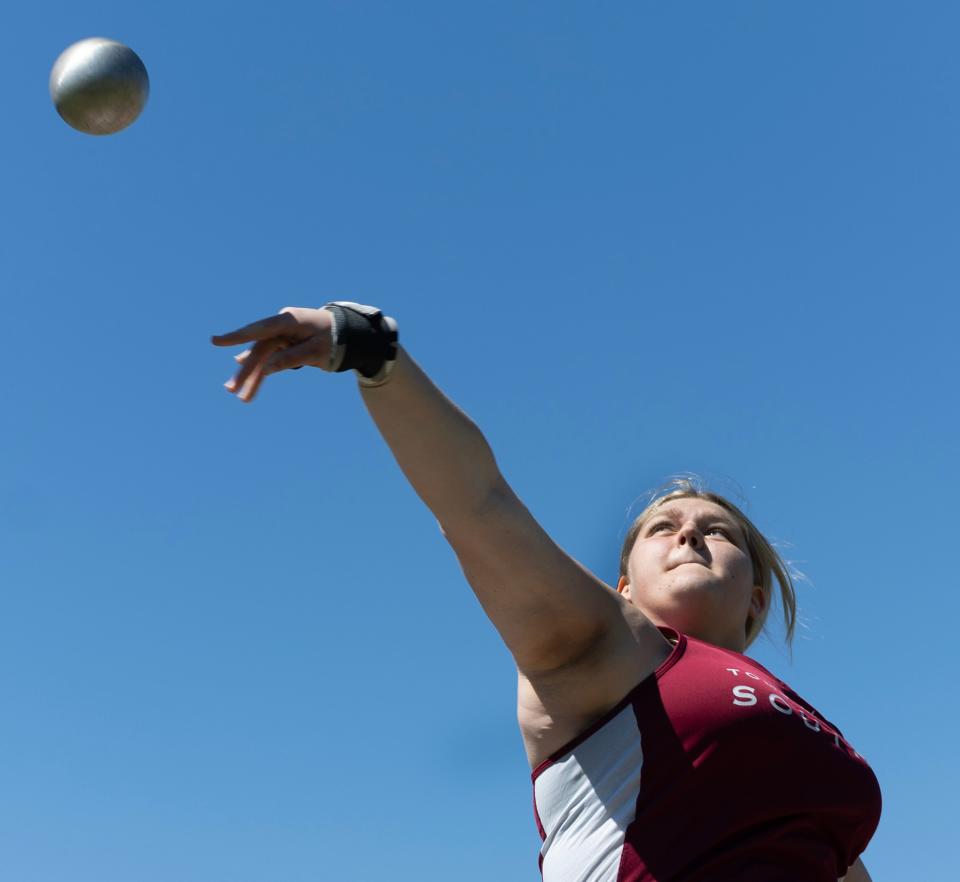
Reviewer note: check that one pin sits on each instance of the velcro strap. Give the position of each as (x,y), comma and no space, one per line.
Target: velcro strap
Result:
(364,340)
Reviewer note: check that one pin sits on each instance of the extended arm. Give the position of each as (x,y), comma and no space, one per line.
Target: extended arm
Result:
(546,606)
(549,609)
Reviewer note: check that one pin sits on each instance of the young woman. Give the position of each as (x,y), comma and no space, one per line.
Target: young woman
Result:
(659,751)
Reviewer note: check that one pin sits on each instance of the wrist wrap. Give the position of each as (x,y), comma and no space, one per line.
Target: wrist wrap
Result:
(363,339)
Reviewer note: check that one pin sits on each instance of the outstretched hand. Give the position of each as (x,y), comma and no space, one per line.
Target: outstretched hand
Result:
(295,337)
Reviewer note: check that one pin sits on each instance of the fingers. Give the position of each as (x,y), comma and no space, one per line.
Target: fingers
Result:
(314,351)
(295,327)
(264,329)
(248,391)
(247,380)
(271,367)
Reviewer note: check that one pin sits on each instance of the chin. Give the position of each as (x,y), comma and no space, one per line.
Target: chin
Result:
(690,577)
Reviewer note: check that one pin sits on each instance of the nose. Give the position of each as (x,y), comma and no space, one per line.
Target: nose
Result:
(690,535)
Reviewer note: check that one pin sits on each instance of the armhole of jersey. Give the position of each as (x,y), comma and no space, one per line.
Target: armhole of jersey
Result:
(645,683)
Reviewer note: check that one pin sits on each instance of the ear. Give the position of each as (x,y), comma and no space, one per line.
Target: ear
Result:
(623,587)
(757,602)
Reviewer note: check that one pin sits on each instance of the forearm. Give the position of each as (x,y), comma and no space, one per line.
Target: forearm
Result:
(442,452)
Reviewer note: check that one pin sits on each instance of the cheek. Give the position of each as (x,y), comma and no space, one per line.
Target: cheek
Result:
(741,567)
(642,562)
(735,563)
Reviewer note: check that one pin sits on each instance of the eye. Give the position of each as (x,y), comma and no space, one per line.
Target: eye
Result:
(723,531)
(657,527)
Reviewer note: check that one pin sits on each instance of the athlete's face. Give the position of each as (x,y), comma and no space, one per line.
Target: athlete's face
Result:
(690,569)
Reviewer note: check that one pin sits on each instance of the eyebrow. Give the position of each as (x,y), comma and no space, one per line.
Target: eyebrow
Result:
(677,513)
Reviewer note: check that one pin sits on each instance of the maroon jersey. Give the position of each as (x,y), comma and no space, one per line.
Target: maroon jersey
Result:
(709,770)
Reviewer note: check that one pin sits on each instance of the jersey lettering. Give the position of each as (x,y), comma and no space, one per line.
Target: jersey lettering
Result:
(746,696)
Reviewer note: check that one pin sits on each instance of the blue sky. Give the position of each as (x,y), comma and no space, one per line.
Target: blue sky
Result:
(629,239)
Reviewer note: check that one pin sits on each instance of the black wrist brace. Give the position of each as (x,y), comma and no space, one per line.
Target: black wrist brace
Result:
(364,340)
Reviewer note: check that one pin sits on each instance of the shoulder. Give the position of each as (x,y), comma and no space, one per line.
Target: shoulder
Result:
(555,707)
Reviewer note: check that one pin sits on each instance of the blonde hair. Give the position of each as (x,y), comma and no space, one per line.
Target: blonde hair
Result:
(767,562)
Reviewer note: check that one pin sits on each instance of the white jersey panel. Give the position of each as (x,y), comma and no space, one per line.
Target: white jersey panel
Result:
(587,799)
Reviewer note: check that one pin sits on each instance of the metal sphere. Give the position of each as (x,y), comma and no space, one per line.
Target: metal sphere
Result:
(99,86)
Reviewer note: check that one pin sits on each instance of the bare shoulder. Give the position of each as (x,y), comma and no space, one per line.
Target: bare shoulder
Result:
(553,707)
